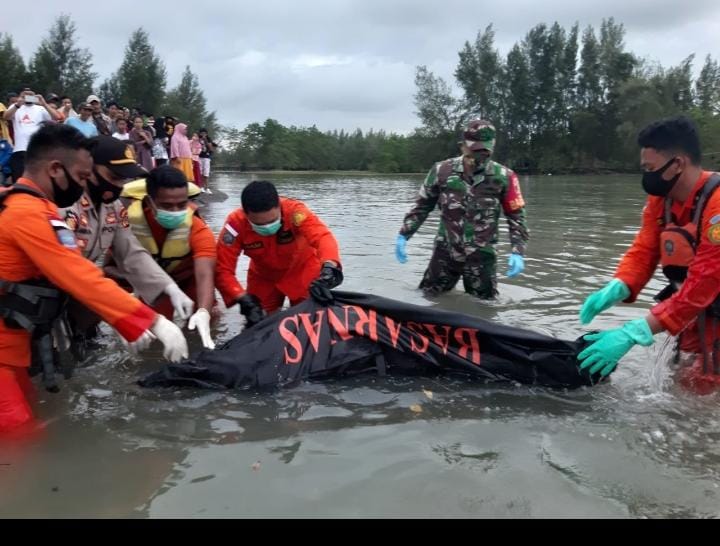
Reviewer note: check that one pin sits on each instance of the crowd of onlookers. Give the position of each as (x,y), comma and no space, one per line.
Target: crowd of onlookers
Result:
(153,141)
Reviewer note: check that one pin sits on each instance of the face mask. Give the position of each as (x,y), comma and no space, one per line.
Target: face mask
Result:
(69,196)
(98,191)
(654,184)
(267,230)
(170,219)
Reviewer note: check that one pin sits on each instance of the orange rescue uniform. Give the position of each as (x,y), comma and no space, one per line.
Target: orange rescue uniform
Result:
(281,265)
(202,245)
(31,249)
(702,285)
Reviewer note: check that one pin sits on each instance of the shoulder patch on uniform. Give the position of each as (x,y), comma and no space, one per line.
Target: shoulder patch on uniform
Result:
(232,230)
(111,218)
(67,238)
(228,238)
(58,224)
(713,234)
(715,219)
(298,218)
(63,233)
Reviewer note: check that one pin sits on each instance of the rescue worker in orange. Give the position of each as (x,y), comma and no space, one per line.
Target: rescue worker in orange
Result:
(102,229)
(167,225)
(681,232)
(41,264)
(292,253)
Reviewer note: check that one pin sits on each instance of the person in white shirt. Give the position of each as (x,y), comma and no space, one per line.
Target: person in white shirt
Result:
(28,114)
(84,123)
(122,132)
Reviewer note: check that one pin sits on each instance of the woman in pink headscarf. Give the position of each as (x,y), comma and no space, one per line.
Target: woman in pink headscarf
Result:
(195,149)
(180,153)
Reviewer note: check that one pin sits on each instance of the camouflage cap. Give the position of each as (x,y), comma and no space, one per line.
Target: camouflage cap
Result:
(479,135)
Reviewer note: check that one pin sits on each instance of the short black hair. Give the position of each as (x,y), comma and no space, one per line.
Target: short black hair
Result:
(112,103)
(676,134)
(64,97)
(165,176)
(53,139)
(259,196)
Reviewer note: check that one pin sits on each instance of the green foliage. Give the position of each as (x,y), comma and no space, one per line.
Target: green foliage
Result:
(59,65)
(187,102)
(141,78)
(564,106)
(13,75)
(562,100)
(273,146)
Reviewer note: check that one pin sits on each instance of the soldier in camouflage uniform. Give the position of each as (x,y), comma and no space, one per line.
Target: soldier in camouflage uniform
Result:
(469,191)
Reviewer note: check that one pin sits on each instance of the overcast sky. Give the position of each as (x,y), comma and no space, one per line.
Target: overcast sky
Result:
(342,63)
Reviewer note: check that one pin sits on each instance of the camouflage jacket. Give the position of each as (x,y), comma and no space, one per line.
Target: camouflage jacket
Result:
(470,207)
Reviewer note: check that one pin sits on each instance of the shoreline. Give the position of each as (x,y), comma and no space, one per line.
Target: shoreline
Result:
(419,173)
(341,173)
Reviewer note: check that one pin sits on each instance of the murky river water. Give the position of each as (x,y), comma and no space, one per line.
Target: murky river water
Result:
(637,446)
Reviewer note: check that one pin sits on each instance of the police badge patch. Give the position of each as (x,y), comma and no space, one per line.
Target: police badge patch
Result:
(124,220)
(72,221)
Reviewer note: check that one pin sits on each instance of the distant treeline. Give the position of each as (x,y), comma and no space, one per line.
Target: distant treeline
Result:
(562,101)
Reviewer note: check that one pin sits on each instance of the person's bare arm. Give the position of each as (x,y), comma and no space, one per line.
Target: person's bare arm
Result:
(9,114)
(54,114)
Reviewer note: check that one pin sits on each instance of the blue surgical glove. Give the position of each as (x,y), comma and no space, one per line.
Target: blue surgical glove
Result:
(517,265)
(611,345)
(400,249)
(613,292)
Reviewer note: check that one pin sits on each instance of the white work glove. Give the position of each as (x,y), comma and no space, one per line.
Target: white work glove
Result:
(201,321)
(181,303)
(140,344)
(171,337)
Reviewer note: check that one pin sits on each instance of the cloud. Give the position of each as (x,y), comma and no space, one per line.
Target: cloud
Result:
(343,63)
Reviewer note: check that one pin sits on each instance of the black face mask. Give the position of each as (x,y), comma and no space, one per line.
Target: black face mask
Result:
(69,196)
(98,191)
(654,184)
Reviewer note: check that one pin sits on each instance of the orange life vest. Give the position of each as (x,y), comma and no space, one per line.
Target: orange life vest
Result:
(678,244)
